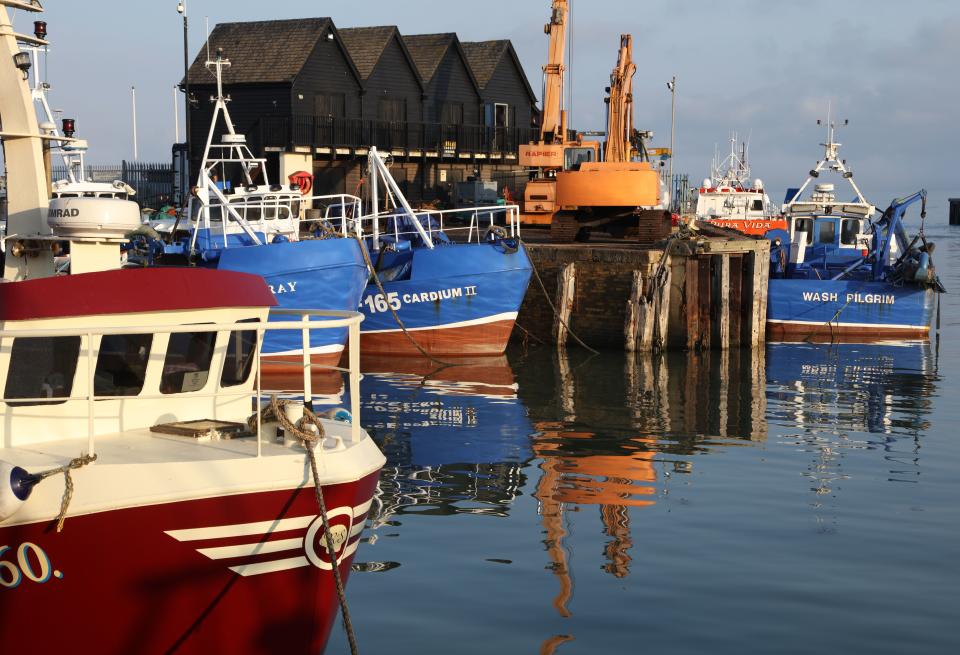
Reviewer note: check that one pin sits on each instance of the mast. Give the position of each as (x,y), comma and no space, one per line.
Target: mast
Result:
(27,197)
(553,126)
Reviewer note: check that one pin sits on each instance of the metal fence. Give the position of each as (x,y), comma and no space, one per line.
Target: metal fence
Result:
(153,181)
(447,139)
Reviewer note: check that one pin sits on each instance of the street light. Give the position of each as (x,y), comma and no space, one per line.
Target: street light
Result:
(182,10)
(672,85)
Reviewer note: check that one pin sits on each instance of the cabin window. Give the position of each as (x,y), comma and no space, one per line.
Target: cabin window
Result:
(803,230)
(241,348)
(573,157)
(757,205)
(849,232)
(187,364)
(122,364)
(827,232)
(270,208)
(41,367)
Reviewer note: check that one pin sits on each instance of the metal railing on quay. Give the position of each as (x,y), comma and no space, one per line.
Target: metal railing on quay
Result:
(328,319)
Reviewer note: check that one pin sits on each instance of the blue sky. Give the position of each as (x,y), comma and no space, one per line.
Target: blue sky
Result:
(763,68)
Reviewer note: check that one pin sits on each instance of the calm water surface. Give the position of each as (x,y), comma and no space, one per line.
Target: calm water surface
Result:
(800,498)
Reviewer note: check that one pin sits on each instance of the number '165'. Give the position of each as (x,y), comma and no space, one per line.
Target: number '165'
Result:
(11,575)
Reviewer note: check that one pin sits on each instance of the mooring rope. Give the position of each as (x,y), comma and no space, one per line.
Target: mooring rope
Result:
(309,441)
(75,463)
(396,317)
(553,308)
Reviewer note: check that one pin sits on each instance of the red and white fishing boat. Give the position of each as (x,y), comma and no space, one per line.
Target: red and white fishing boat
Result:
(729,199)
(147,501)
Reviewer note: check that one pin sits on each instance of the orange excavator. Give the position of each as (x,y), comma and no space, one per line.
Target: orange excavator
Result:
(579,185)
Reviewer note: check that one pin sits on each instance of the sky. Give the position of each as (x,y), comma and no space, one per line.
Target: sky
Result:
(765,69)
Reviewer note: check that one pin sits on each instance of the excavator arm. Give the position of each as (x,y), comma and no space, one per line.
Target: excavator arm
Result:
(620,105)
(554,122)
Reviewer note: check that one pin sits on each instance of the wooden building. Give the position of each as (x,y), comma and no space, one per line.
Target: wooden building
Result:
(310,96)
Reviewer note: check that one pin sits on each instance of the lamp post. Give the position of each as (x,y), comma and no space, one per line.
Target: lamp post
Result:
(182,10)
(672,85)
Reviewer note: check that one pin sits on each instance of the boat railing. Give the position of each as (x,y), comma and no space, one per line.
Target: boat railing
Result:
(470,223)
(302,320)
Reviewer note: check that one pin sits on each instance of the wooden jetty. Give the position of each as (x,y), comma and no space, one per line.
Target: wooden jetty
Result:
(695,292)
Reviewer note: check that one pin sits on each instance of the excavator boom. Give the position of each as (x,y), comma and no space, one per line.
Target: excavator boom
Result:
(620,104)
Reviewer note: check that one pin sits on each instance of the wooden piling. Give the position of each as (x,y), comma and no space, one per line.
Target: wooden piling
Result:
(566,293)
(723,301)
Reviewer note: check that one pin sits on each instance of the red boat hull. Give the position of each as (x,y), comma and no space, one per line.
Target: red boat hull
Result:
(485,339)
(167,578)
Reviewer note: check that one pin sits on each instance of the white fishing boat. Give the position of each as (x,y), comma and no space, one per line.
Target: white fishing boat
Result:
(149,500)
(728,198)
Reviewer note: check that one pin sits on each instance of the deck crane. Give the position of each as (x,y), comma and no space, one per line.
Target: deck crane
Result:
(573,188)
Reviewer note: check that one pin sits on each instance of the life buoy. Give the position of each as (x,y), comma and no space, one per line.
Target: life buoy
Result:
(302,179)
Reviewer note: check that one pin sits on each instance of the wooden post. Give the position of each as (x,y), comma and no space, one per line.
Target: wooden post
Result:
(661,309)
(758,290)
(640,316)
(724,298)
(763,280)
(704,301)
(691,305)
(566,291)
(734,298)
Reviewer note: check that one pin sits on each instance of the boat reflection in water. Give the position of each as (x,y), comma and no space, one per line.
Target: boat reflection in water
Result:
(456,437)
(853,396)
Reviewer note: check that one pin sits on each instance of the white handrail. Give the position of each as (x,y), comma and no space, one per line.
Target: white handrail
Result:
(329,319)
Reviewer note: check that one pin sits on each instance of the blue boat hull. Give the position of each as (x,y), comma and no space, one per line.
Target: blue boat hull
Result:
(316,274)
(812,308)
(458,300)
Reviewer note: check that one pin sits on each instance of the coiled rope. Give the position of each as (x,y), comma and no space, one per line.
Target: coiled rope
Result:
(309,440)
(74,463)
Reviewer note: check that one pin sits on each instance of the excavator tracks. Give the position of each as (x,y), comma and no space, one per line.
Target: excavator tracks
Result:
(564,228)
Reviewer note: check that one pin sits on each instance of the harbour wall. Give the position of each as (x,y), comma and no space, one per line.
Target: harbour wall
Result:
(693,294)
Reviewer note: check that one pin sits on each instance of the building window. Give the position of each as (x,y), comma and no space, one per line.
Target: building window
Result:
(392,110)
(330,105)
(452,113)
(241,349)
(501,115)
(122,364)
(41,367)
(187,364)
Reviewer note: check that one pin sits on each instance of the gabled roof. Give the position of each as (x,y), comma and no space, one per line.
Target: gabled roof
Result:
(428,50)
(260,51)
(485,56)
(366,46)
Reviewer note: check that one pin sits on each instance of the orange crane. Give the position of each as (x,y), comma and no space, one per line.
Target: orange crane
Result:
(572,190)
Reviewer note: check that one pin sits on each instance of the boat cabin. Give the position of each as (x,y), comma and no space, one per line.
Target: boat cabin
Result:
(59,361)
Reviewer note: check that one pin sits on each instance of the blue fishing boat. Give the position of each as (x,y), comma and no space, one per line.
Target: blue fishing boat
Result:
(837,271)
(237,220)
(447,283)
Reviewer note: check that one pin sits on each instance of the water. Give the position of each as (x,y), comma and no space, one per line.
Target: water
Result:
(798,499)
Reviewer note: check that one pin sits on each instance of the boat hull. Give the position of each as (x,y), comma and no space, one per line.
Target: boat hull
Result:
(315,274)
(460,300)
(146,580)
(799,309)
(751,226)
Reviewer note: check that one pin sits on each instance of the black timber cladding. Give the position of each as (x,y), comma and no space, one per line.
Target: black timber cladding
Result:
(501,79)
(392,88)
(303,82)
(450,84)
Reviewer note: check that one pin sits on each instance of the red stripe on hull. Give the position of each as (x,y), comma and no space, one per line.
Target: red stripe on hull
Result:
(486,339)
(800,332)
(128,587)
